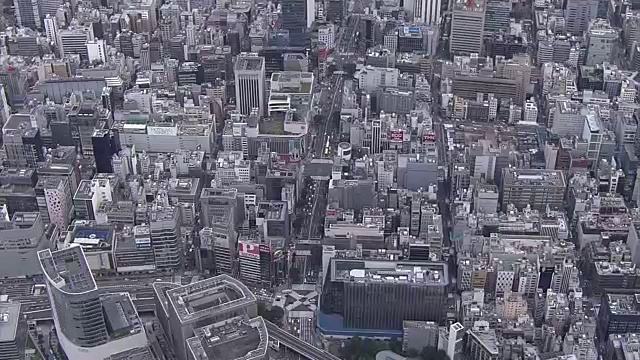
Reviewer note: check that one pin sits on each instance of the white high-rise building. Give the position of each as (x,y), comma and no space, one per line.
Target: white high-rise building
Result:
(427,11)
(452,340)
(97,51)
(51,29)
(90,325)
(191,35)
(250,78)
(326,35)
(74,40)
(530,111)
(311,12)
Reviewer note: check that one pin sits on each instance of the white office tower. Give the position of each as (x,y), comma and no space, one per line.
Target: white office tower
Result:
(89,325)
(326,35)
(191,35)
(74,40)
(530,111)
(311,12)
(250,76)
(467,27)
(97,51)
(51,29)
(427,11)
(452,340)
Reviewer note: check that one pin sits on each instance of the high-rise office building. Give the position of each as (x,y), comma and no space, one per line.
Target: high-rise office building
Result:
(335,10)
(297,16)
(578,14)
(166,238)
(601,40)
(351,286)
(619,314)
(22,142)
(49,7)
(218,245)
(51,29)
(89,325)
(75,299)
(536,188)
(497,17)
(427,11)
(74,41)
(221,202)
(250,77)
(28,13)
(103,148)
(58,200)
(467,27)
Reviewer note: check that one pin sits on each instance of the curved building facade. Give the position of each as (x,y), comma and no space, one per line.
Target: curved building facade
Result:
(89,326)
(75,301)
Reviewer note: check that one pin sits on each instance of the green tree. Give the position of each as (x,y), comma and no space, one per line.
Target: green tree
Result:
(412,353)
(275,314)
(363,349)
(432,353)
(294,275)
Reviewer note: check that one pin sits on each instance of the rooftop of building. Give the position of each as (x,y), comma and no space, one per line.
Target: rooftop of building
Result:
(9,319)
(51,183)
(274,125)
(623,304)
(160,213)
(52,168)
(419,324)
(11,172)
(67,269)
(249,62)
(132,238)
(534,177)
(19,124)
(123,207)
(411,31)
(399,272)
(19,220)
(272,210)
(208,297)
(488,339)
(139,353)
(90,235)
(616,268)
(85,190)
(219,193)
(120,315)
(236,339)
(594,221)
(292,82)
(628,344)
